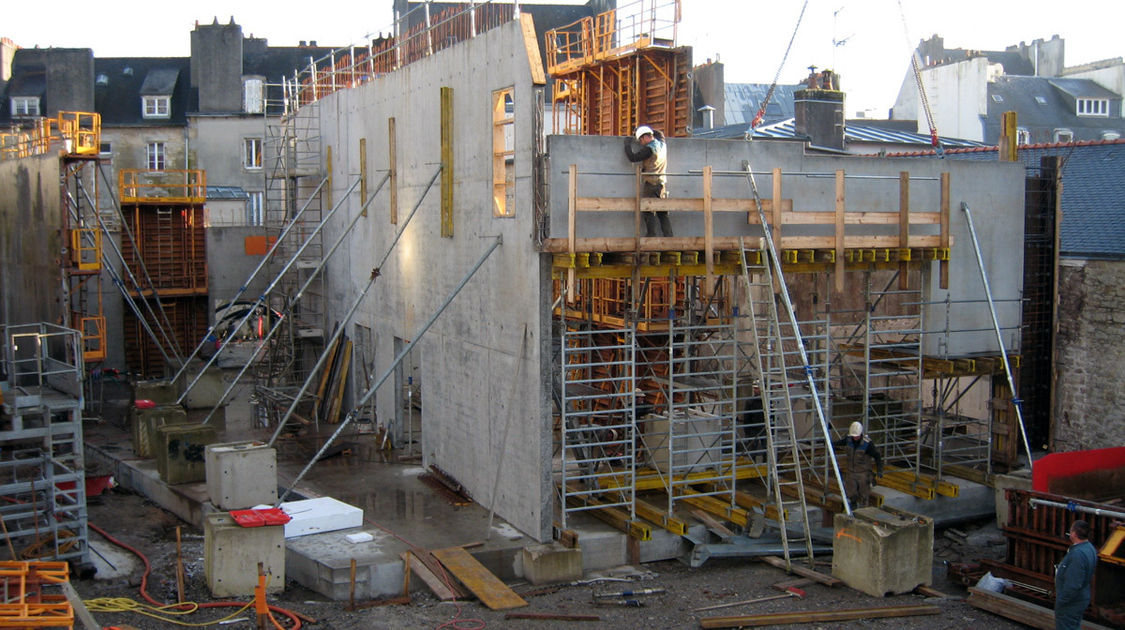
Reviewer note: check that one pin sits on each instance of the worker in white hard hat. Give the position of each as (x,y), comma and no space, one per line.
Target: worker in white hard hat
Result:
(647,146)
(860,454)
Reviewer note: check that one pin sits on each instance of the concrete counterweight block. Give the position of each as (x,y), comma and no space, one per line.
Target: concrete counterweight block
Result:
(241,475)
(180,451)
(882,551)
(208,389)
(231,554)
(145,422)
(551,563)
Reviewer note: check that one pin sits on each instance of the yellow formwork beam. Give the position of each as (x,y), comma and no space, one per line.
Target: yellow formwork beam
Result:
(654,514)
(942,487)
(711,505)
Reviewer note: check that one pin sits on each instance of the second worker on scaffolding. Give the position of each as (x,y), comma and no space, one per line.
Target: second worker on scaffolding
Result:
(647,146)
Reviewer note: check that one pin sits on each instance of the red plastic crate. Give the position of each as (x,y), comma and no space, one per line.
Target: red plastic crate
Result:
(260,518)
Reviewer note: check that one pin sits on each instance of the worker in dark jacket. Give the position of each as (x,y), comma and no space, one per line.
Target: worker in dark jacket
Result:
(647,146)
(860,454)
(1073,576)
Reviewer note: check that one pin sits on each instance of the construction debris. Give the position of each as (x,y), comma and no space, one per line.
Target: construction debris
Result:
(479,580)
(789,592)
(552,616)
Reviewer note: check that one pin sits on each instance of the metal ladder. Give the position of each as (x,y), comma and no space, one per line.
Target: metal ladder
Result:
(785,476)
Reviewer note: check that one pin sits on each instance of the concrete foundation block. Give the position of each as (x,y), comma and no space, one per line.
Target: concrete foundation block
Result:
(208,389)
(231,555)
(159,392)
(551,563)
(882,551)
(180,451)
(241,475)
(145,422)
(1020,479)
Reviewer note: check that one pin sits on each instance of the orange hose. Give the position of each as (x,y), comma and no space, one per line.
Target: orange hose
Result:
(148,569)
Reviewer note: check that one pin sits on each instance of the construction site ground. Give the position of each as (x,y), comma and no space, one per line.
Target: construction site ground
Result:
(139,522)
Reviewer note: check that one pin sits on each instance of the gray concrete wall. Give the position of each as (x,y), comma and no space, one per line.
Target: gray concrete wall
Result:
(30,245)
(993,190)
(228,265)
(1090,394)
(216,146)
(479,419)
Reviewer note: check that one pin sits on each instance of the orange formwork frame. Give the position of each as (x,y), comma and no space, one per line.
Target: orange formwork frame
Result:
(26,604)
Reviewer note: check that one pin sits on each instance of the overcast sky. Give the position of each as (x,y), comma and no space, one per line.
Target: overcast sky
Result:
(749,36)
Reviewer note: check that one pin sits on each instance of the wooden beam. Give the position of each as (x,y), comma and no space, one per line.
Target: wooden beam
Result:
(817,616)
(1027,613)
(802,571)
(392,161)
(708,228)
(889,244)
(946,241)
(363,175)
(840,212)
(903,226)
(531,46)
(446,161)
(776,207)
(572,231)
(437,585)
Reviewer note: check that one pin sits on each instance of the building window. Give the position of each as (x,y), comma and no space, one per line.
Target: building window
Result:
(1093,107)
(998,98)
(1040,100)
(25,106)
(1064,135)
(157,106)
(252,97)
(1023,136)
(254,210)
(155,158)
(105,149)
(252,153)
(503,153)
(1110,135)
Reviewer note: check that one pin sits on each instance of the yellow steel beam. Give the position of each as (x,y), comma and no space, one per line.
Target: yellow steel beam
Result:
(652,513)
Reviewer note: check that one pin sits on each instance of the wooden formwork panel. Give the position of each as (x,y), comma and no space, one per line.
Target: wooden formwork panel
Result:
(171,242)
(650,87)
(188,319)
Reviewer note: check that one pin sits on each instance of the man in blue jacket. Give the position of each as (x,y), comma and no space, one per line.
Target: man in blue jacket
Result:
(1073,576)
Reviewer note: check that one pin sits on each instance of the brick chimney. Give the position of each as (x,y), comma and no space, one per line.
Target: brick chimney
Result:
(819,110)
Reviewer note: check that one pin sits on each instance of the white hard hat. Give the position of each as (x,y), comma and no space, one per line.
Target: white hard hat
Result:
(642,130)
(856,429)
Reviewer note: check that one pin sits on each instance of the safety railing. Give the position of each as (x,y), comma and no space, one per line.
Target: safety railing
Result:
(420,33)
(631,26)
(43,355)
(166,186)
(78,133)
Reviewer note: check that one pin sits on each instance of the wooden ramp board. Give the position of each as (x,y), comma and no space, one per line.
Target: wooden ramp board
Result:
(491,591)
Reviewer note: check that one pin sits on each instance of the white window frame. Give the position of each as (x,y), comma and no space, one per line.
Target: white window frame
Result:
(156,106)
(255,209)
(156,156)
(1063,135)
(25,106)
(1023,136)
(1111,135)
(252,154)
(253,96)
(1092,107)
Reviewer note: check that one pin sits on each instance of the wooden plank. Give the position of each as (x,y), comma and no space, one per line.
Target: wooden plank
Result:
(572,231)
(788,584)
(712,524)
(730,243)
(531,45)
(438,586)
(446,162)
(392,162)
(802,571)
(491,591)
(903,225)
(1027,613)
(776,209)
(817,616)
(326,374)
(342,372)
(552,616)
(708,229)
(945,240)
(840,215)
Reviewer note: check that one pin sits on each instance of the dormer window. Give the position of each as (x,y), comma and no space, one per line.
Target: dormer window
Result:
(1023,136)
(157,106)
(1064,135)
(25,106)
(1093,107)
(103,79)
(252,95)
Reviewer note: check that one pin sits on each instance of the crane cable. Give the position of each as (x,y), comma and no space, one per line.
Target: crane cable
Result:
(769,93)
(916,66)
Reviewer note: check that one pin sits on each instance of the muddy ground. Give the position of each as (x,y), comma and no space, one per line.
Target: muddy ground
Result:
(138,522)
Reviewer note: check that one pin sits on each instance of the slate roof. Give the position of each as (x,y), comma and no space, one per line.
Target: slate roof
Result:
(1043,105)
(741,102)
(119,83)
(1093,196)
(854,131)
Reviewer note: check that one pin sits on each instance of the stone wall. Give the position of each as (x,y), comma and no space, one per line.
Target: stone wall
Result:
(1090,392)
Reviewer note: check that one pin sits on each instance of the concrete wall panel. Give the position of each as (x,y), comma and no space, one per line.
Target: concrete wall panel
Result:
(30,245)
(468,357)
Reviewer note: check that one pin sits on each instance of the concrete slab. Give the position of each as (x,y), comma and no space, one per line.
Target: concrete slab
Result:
(974,501)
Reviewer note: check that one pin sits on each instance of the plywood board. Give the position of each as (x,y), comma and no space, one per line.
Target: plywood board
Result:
(479,580)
